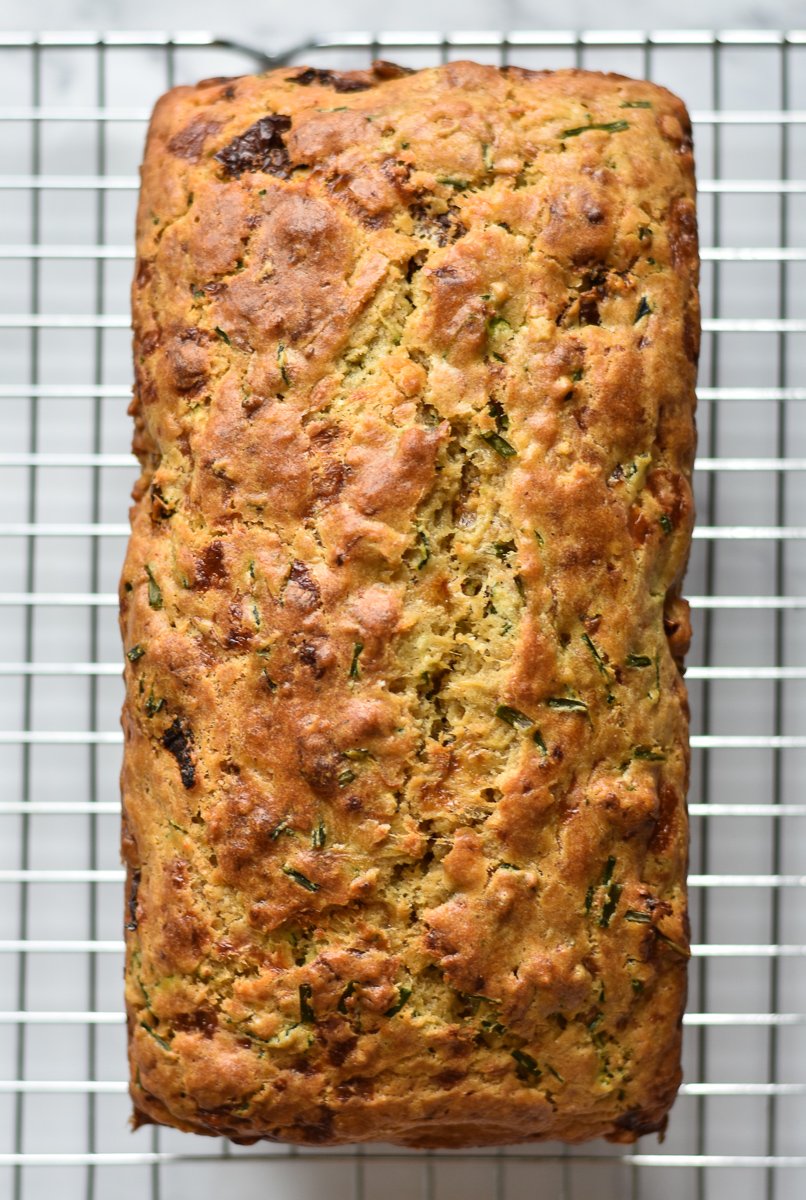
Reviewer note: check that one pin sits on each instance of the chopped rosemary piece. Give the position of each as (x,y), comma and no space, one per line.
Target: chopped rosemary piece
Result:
(665,523)
(282,827)
(526,1069)
(636,104)
(346,776)
(555,1073)
(610,904)
(224,336)
(513,717)
(422,540)
(678,949)
(318,836)
(638,917)
(154,593)
(270,684)
(403,994)
(609,868)
(306,1013)
(358,754)
(458,184)
(136,652)
(639,660)
(537,738)
(568,703)
(354,671)
(507,866)
(539,536)
(153,705)
(643,310)
(596,655)
(606,127)
(298,877)
(648,754)
(165,1045)
(499,445)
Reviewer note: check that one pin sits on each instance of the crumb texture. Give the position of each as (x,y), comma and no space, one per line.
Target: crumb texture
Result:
(405,732)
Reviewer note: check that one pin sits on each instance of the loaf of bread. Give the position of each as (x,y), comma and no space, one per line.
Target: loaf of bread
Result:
(405,731)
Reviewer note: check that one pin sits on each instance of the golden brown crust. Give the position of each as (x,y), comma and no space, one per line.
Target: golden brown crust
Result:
(405,736)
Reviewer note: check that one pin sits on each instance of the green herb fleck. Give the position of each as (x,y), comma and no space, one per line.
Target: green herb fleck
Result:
(422,541)
(499,444)
(458,184)
(636,104)
(281,363)
(403,994)
(154,593)
(643,310)
(224,336)
(298,877)
(555,1073)
(136,652)
(649,754)
(537,738)
(346,776)
(270,684)
(345,996)
(606,127)
(318,836)
(503,550)
(306,1013)
(513,717)
(161,1041)
(153,705)
(610,905)
(609,868)
(498,414)
(527,1069)
(354,671)
(358,754)
(639,660)
(567,703)
(666,523)
(539,536)
(637,985)
(596,655)
(638,917)
(198,293)
(281,828)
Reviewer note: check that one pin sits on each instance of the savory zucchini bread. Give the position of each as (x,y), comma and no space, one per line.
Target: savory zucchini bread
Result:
(406,737)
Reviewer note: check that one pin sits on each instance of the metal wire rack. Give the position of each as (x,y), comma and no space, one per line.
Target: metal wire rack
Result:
(72,113)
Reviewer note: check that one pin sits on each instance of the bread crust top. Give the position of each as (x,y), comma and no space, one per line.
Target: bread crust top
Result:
(405,732)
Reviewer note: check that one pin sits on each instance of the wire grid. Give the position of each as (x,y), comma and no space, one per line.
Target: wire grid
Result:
(72,114)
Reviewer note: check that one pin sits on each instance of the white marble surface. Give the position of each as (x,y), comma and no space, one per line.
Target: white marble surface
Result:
(277,23)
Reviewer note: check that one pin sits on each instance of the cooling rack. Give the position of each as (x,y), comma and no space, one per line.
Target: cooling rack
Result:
(72,114)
